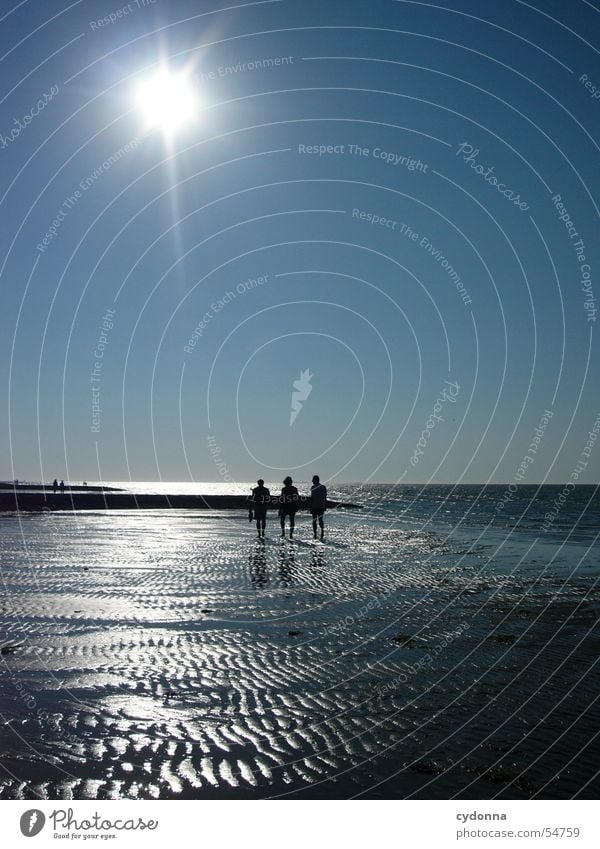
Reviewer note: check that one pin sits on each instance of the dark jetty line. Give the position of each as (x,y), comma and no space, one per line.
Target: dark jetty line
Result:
(41,487)
(36,501)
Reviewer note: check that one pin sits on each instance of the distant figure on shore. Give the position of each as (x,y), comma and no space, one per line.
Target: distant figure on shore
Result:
(54,486)
(289,505)
(260,503)
(62,487)
(318,505)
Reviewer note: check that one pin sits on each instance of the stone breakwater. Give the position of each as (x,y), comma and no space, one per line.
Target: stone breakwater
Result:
(35,501)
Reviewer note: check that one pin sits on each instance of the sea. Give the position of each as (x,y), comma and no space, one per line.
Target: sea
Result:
(441,642)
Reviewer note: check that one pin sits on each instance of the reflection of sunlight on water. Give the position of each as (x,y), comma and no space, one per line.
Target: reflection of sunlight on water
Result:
(142,709)
(182,487)
(197,487)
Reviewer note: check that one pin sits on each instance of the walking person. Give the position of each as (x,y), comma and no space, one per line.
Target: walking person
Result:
(318,505)
(289,505)
(54,486)
(261,497)
(62,487)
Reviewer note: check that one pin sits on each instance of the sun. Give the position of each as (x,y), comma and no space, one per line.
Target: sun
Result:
(166,101)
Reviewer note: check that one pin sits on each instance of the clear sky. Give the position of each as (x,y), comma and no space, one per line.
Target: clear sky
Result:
(370,252)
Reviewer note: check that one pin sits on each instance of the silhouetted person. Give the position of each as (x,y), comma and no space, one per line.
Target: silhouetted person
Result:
(62,487)
(54,486)
(289,505)
(260,502)
(318,505)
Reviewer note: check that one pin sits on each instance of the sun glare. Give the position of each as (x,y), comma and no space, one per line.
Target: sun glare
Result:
(166,101)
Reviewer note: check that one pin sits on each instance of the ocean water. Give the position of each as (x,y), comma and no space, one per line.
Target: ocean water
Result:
(442,643)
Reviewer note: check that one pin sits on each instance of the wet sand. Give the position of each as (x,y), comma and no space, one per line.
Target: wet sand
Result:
(170,655)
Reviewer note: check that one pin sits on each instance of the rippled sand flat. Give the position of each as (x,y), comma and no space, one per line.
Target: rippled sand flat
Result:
(170,655)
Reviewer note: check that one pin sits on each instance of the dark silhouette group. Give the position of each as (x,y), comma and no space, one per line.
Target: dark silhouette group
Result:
(288,504)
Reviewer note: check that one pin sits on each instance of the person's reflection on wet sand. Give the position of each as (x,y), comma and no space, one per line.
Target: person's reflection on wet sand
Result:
(319,558)
(287,563)
(258,567)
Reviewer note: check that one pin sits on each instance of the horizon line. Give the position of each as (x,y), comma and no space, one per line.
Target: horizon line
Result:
(107,481)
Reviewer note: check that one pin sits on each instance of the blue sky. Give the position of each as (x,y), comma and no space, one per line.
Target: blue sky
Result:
(332,207)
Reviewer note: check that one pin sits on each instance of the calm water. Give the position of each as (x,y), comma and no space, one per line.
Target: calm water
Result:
(443,642)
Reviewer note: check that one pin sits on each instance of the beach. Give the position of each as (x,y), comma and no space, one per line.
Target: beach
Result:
(432,647)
